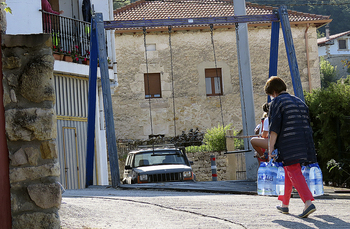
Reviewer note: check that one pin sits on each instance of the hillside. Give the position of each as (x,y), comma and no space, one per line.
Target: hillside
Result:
(339,10)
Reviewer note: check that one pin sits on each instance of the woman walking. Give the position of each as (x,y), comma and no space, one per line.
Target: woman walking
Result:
(291,134)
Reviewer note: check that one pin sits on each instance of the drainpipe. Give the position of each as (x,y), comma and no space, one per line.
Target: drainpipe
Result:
(307,55)
(114,57)
(5,197)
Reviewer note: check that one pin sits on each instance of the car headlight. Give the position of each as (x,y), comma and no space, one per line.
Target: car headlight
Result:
(187,174)
(143,177)
(134,175)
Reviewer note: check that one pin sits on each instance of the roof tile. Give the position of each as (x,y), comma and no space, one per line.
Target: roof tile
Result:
(171,9)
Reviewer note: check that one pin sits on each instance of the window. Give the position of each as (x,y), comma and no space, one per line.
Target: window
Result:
(213,81)
(151,47)
(152,85)
(342,44)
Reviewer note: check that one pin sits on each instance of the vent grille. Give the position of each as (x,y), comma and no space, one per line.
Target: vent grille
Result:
(164,177)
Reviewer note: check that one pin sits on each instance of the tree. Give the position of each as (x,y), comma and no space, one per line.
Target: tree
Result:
(319,34)
(329,113)
(328,72)
(339,10)
(120,3)
(7,9)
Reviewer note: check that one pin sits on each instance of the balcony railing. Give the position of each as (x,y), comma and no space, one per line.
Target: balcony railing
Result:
(68,34)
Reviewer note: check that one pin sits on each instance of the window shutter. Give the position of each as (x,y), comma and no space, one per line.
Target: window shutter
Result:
(342,44)
(152,85)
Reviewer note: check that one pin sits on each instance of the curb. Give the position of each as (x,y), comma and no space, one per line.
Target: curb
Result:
(228,187)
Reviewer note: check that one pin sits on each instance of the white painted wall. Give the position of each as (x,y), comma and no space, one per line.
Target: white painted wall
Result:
(334,49)
(102,6)
(77,69)
(70,9)
(25,18)
(321,50)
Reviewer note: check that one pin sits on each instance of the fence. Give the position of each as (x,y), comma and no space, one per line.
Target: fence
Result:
(68,34)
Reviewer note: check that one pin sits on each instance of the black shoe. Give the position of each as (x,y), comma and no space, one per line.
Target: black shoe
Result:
(284,210)
(308,211)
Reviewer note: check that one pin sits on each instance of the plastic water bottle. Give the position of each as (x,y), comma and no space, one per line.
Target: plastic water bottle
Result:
(305,170)
(280,179)
(316,181)
(262,179)
(271,178)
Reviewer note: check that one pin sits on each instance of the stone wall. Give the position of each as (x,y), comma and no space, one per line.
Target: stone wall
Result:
(29,98)
(202,165)
(192,53)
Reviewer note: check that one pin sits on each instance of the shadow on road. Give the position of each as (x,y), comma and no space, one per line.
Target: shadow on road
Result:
(325,221)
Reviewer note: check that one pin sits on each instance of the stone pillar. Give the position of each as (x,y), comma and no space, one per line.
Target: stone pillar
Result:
(30,123)
(231,158)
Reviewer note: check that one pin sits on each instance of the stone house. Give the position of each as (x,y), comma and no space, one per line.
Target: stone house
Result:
(335,49)
(200,86)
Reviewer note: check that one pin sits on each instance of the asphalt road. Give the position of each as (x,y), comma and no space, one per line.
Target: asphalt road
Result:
(102,207)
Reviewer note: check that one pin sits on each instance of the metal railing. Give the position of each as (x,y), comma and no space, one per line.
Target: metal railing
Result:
(68,35)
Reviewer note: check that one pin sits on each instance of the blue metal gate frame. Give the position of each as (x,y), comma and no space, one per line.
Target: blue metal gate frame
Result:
(98,50)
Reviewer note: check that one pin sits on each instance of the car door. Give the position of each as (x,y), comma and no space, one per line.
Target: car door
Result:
(128,169)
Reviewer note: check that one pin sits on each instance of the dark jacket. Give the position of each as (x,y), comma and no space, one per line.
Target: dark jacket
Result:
(289,118)
(86,8)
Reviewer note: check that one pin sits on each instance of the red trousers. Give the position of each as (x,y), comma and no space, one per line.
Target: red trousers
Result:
(294,177)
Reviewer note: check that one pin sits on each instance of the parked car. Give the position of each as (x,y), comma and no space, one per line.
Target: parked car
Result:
(157,165)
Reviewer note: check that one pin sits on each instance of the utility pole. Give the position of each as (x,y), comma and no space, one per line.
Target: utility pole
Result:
(246,87)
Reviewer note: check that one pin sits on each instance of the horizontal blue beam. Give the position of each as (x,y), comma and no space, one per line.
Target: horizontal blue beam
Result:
(189,21)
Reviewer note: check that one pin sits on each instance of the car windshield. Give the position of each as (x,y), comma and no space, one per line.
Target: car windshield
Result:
(158,158)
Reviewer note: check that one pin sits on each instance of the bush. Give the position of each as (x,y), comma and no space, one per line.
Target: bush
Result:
(215,140)
(194,149)
(328,72)
(329,111)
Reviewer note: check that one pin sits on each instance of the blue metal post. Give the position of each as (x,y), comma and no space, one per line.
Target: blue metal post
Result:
(107,101)
(189,21)
(90,148)
(292,59)
(275,33)
(275,29)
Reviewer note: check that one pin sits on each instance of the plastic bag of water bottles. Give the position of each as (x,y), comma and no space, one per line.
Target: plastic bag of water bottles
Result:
(261,178)
(280,179)
(314,179)
(267,174)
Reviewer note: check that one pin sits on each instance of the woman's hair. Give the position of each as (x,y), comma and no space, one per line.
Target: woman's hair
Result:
(266,107)
(274,84)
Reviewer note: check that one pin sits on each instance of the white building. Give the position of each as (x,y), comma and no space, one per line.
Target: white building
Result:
(335,49)
(69,32)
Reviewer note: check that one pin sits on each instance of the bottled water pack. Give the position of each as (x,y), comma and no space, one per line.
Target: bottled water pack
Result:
(268,178)
(261,178)
(280,179)
(316,180)
(313,177)
(271,178)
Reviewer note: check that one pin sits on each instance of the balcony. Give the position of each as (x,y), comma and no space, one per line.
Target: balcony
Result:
(69,36)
